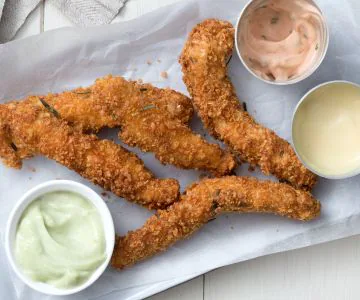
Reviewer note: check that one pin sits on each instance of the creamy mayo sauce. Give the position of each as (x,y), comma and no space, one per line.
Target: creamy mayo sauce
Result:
(281,39)
(60,240)
(326,129)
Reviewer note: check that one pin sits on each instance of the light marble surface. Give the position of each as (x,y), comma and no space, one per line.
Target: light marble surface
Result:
(327,271)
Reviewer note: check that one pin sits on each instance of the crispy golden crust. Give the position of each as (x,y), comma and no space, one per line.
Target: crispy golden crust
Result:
(31,127)
(150,118)
(86,109)
(7,151)
(202,202)
(203,61)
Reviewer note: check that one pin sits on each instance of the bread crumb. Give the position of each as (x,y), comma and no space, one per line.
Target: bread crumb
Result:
(164,74)
(107,197)
(32,169)
(203,175)
(251,168)
(149,62)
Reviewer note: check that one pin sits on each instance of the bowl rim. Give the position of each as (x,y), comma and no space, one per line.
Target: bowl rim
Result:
(296,79)
(349,174)
(33,194)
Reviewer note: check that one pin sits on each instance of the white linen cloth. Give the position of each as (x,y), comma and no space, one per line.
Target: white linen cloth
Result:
(13,13)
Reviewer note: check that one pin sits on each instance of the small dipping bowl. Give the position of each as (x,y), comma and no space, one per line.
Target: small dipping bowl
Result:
(326,129)
(321,48)
(59,186)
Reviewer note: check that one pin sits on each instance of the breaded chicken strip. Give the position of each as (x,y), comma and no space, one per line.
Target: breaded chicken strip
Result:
(203,61)
(152,119)
(28,128)
(204,201)
(85,108)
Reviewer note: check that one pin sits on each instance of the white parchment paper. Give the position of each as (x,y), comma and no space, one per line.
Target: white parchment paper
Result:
(70,57)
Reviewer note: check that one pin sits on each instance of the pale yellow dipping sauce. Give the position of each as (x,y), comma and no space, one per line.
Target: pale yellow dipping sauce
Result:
(326,129)
(60,240)
(281,39)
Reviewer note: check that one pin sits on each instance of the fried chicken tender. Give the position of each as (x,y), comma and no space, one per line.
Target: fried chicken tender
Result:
(155,120)
(85,108)
(203,61)
(28,128)
(204,201)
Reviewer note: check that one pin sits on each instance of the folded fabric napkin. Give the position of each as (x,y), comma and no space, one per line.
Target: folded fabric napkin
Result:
(13,13)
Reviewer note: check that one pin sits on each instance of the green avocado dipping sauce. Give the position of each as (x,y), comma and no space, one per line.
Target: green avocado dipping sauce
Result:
(60,240)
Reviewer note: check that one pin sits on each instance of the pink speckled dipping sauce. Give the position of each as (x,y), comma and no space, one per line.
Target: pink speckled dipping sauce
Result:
(281,40)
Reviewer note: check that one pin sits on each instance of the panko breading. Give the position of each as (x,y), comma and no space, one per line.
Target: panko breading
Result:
(152,119)
(87,110)
(203,61)
(204,201)
(28,128)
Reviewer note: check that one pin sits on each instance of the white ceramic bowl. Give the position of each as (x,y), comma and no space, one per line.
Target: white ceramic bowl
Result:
(305,75)
(52,186)
(352,173)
